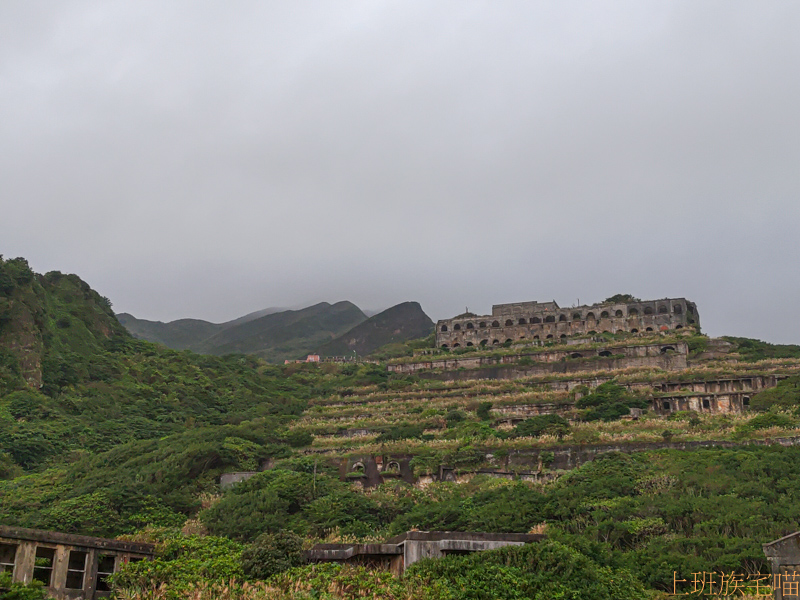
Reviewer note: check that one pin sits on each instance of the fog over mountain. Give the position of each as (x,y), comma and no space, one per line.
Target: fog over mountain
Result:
(208,160)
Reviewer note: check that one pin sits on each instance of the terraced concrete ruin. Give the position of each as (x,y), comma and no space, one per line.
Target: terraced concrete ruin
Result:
(548,321)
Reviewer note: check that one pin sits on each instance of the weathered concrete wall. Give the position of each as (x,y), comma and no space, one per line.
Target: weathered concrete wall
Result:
(555,356)
(527,465)
(784,557)
(667,362)
(227,480)
(718,396)
(26,543)
(541,321)
(570,457)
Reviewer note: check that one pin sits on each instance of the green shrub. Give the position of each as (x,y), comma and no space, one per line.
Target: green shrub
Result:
(454,417)
(403,431)
(540,571)
(542,424)
(270,554)
(298,438)
(180,563)
(767,421)
(20,591)
(786,395)
(609,402)
(484,411)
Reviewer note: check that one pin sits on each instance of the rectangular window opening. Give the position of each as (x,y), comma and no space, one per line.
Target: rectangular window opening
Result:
(8,554)
(43,566)
(76,569)
(105,567)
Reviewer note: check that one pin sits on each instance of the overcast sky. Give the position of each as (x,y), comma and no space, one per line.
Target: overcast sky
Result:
(209,159)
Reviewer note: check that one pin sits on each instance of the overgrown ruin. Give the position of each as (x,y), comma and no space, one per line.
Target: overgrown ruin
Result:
(548,321)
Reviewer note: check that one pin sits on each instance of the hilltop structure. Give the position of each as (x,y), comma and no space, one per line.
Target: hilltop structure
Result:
(547,320)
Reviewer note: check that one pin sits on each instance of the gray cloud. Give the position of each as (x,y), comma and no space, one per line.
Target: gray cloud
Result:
(210,159)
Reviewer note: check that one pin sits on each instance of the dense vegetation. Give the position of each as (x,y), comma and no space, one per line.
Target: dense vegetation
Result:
(104,434)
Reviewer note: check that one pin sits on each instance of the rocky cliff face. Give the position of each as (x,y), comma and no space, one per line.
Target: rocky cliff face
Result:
(50,326)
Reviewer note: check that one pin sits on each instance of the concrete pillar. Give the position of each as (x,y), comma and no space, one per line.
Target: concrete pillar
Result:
(23,564)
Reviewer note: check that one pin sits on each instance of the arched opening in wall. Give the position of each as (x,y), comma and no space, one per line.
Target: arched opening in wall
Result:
(509,341)
(521,322)
(456,345)
(484,342)
(444,328)
(536,320)
(470,326)
(663,310)
(746,401)
(664,328)
(509,322)
(576,355)
(706,403)
(550,319)
(648,310)
(632,312)
(522,337)
(495,323)
(563,336)
(393,466)
(562,318)
(536,337)
(456,327)
(677,309)
(495,342)
(668,350)
(649,329)
(549,336)
(604,314)
(592,332)
(590,316)
(482,325)
(634,330)
(357,467)
(678,326)
(690,309)
(618,313)
(604,353)
(666,405)
(606,331)
(469,344)
(445,346)
(576,316)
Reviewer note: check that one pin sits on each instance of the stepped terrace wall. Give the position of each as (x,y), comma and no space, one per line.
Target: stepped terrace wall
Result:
(633,352)
(551,356)
(542,321)
(718,396)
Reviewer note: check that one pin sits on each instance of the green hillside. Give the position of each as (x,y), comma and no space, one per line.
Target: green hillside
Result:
(178,335)
(272,334)
(287,334)
(104,434)
(395,325)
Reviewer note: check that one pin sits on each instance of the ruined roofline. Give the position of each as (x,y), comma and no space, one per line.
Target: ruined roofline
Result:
(465,536)
(545,308)
(83,541)
(394,545)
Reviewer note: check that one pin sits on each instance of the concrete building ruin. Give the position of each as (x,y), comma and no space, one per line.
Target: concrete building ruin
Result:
(72,567)
(400,552)
(546,321)
(784,557)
